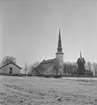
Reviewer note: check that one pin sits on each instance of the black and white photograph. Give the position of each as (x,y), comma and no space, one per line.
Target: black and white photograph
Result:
(48,52)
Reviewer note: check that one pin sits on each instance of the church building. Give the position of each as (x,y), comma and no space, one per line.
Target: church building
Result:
(53,66)
(57,66)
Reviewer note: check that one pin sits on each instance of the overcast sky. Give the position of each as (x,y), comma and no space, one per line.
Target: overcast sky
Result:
(29,29)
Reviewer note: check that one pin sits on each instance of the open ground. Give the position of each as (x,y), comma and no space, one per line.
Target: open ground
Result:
(47,91)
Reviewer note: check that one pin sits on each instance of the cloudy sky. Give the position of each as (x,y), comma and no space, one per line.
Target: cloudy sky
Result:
(29,29)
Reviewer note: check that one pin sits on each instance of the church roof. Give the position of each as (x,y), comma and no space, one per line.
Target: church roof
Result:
(47,61)
(45,64)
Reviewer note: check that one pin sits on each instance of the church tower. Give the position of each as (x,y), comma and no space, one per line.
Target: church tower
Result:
(59,56)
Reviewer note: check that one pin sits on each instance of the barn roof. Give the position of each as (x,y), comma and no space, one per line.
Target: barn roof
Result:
(10,63)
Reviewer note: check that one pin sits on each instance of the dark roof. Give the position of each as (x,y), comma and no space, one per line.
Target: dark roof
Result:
(47,61)
(10,63)
(45,64)
(81,60)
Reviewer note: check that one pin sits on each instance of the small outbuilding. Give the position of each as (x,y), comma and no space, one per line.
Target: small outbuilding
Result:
(10,68)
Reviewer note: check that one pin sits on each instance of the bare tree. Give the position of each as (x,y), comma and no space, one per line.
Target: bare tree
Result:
(25,69)
(32,69)
(89,68)
(8,59)
(89,65)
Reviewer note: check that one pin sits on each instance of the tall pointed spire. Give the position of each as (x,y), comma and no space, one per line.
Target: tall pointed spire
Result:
(80,54)
(59,56)
(59,49)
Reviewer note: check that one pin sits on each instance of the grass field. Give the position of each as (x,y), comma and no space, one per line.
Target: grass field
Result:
(47,91)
